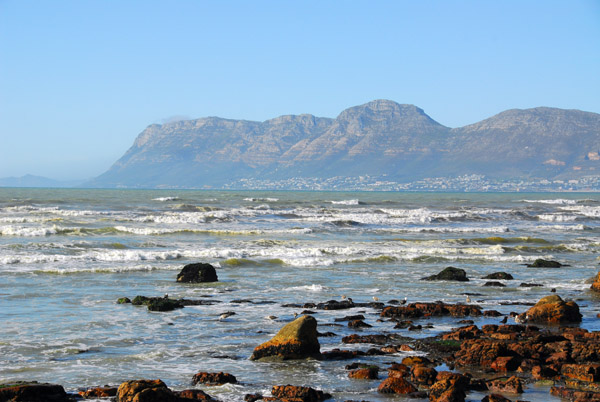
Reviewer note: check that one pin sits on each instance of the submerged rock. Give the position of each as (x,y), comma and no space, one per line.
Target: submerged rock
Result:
(448,274)
(541,263)
(499,275)
(197,273)
(296,340)
(553,310)
(33,392)
(157,303)
(495,284)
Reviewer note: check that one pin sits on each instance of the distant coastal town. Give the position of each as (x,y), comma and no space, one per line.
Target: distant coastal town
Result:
(464,183)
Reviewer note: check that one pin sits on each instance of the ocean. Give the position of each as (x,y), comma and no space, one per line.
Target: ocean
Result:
(67,255)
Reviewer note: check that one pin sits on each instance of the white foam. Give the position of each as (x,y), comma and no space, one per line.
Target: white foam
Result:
(163,199)
(346,202)
(266,199)
(311,288)
(558,201)
(557,217)
(25,231)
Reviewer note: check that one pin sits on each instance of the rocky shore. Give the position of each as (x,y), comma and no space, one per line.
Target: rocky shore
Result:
(545,344)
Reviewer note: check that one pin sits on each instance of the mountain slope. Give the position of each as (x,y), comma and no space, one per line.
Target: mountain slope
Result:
(377,138)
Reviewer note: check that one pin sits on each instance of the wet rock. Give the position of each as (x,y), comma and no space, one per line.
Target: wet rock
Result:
(448,274)
(511,385)
(541,263)
(197,273)
(447,391)
(339,354)
(491,313)
(335,305)
(193,395)
(505,363)
(396,385)
(350,318)
(145,391)
(553,310)
(370,373)
(358,324)
(499,275)
(596,283)
(298,394)
(33,392)
(252,397)
(99,392)
(219,378)
(468,332)
(530,285)
(575,395)
(438,309)
(374,339)
(296,340)
(495,284)
(423,375)
(582,372)
(415,360)
(157,303)
(495,398)
(123,300)
(480,352)
(398,370)
(543,373)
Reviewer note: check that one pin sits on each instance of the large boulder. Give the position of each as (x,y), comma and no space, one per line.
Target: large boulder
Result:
(553,310)
(32,392)
(145,391)
(447,391)
(219,378)
(196,273)
(296,340)
(396,385)
(499,275)
(448,274)
(541,263)
(596,284)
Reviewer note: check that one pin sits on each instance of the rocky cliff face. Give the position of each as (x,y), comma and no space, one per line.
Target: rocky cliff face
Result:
(380,137)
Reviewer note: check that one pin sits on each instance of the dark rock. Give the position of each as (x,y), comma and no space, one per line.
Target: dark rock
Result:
(582,372)
(350,318)
(336,305)
(437,309)
(448,274)
(196,273)
(495,283)
(162,304)
(423,375)
(358,324)
(219,378)
(339,354)
(32,392)
(530,285)
(499,275)
(541,263)
(123,300)
(252,397)
(495,398)
(575,395)
(447,390)
(296,340)
(375,339)
(298,394)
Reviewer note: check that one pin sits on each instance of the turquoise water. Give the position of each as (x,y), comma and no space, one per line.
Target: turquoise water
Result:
(67,255)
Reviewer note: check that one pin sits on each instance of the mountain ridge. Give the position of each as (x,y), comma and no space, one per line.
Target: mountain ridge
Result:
(380,137)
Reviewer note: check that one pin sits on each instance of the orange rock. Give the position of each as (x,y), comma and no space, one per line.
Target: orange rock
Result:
(371,373)
(33,392)
(495,398)
(505,363)
(219,378)
(298,394)
(423,375)
(144,391)
(575,395)
(596,284)
(414,360)
(393,385)
(513,385)
(194,395)
(99,392)
(446,391)
(398,370)
(553,310)
(582,372)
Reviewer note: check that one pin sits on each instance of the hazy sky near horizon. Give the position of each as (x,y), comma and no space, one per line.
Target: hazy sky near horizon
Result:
(79,80)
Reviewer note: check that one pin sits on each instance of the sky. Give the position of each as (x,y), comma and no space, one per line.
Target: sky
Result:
(79,80)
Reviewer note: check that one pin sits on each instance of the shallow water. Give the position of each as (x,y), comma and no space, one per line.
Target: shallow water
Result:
(67,255)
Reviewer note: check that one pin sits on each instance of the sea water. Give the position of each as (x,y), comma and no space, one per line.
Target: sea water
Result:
(67,255)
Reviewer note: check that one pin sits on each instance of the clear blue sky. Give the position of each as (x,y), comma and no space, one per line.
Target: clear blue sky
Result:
(79,80)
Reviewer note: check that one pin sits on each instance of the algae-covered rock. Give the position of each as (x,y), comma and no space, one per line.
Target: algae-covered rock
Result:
(448,274)
(553,310)
(499,275)
(596,284)
(296,340)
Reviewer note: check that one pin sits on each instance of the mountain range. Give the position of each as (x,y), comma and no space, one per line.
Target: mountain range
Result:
(379,138)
